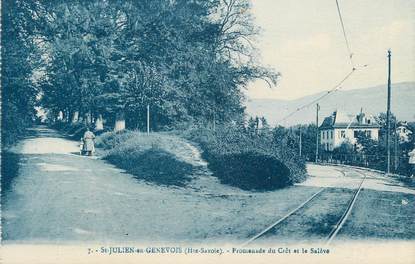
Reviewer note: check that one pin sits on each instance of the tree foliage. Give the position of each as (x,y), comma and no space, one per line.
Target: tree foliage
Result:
(19,80)
(188,60)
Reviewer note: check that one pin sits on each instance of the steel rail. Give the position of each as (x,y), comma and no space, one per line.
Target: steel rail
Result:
(341,171)
(346,214)
(283,218)
(336,228)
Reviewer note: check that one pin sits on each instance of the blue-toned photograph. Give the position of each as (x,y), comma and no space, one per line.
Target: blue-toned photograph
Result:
(208,128)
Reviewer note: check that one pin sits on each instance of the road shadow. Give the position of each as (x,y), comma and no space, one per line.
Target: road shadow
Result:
(41,131)
(9,171)
(154,165)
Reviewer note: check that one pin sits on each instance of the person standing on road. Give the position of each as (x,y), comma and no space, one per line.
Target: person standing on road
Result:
(88,142)
(412,162)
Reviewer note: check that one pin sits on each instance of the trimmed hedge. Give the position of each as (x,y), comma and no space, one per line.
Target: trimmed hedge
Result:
(251,171)
(250,162)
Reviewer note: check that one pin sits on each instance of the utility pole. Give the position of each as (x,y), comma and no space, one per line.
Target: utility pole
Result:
(388,114)
(396,143)
(318,133)
(300,142)
(148,119)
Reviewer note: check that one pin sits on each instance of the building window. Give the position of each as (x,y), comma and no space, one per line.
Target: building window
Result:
(368,133)
(342,134)
(355,133)
(331,134)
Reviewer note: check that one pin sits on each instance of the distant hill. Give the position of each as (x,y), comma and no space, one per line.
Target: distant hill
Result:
(372,100)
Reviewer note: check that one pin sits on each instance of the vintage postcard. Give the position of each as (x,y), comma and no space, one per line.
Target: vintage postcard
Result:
(207,131)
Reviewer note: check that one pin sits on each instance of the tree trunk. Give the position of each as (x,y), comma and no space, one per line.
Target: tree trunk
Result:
(119,121)
(60,116)
(75,117)
(99,124)
(88,118)
(66,116)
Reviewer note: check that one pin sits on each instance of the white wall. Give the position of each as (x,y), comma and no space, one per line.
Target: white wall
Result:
(337,140)
(349,135)
(327,138)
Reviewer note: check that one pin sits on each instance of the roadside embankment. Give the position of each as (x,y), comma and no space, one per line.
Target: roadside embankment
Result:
(255,162)
(159,157)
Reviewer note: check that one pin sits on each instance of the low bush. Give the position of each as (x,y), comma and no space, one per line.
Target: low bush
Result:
(251,171)
(259,161)
(109,140)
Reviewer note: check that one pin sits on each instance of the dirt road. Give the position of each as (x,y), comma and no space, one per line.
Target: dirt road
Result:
(61,197)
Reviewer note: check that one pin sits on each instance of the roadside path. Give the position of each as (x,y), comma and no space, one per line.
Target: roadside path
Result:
(345,177)
(61,197)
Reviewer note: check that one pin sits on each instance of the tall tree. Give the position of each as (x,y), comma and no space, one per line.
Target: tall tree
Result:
(19,79)
(188,60)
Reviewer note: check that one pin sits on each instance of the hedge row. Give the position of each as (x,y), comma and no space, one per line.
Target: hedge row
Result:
(250,162)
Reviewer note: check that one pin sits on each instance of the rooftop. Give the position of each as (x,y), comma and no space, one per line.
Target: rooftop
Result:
(342,120)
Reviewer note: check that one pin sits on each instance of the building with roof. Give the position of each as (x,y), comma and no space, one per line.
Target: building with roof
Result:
(340,127)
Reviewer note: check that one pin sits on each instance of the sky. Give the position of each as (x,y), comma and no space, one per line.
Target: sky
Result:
(303,40)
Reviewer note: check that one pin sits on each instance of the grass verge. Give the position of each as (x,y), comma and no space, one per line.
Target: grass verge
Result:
(156,158)
(154,165)
(381,215)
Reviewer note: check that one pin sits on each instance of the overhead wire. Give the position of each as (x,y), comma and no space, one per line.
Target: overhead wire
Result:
(338,86)
(334,89)
(344,34)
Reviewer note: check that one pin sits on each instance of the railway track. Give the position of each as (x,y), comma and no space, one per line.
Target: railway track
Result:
(270,230)
(347,212)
